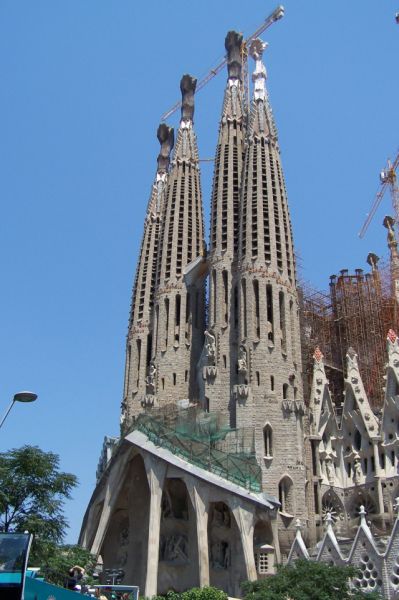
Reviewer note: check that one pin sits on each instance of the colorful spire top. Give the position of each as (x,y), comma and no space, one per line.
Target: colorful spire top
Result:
(318,355)
(392,337)
(259,76)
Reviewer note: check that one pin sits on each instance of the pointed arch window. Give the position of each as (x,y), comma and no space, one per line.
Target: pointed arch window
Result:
(268,440)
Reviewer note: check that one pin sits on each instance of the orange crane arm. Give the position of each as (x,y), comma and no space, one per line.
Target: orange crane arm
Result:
(277,14)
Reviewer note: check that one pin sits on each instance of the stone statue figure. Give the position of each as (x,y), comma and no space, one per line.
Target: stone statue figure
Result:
(330,471)
(357,469)
(220,555)
(233,44)
(187,88)
(242,360)
(210,345)
(150,379)
(174,548)
(166,138)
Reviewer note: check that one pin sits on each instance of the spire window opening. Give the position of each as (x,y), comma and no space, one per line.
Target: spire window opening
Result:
(138,361)
(156,327)
(286,496)
(244,306)
(272,383)
(128,366)
(268,441)
(393,458)
(281,301)
(166,321)
(265,198)
(269,313)
(292,330)
(285,391)
(256,309)
(186,375)
(214,296)
(254,203)
(225,297)
(149,349)
(276,215)
(177,317)
(225,196)
(174,378)
(286,222)
(257,378)
(236,196)
(163,383)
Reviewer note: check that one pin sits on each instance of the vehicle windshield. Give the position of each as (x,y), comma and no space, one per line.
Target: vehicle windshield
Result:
(13,549)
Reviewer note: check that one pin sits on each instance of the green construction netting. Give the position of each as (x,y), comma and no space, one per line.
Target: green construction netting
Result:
(204,440)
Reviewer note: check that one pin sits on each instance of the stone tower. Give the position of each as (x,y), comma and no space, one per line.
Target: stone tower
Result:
(180,298)
(139,338)
(220,369)
(269,394)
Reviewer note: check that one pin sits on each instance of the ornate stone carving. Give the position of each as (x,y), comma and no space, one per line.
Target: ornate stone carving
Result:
(330,470)
(174,549)
(357,469)
(210,347)
(187,88)
(221,516)
(166,138)
(242,360)
(150,379)
(233,43)
(220,555)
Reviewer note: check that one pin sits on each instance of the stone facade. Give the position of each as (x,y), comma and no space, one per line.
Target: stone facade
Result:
(219,507)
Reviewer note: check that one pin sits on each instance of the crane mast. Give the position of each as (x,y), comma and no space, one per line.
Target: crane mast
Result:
(388,179)
(276,15)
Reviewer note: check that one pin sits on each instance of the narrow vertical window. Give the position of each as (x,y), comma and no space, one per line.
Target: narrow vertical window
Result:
(138,345)
(177,317)
(244,306)
(268,441)
(257,378)
(166,320)
(156,327)
(269,311)
(128,362)
(174,378)
(225,297)
(214,295)
(281,302)
(285,391)
(272,383)
(185,375)
(256,309)
(149,349)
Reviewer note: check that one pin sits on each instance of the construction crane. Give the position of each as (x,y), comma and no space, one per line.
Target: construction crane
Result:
(388,180)
(276,15)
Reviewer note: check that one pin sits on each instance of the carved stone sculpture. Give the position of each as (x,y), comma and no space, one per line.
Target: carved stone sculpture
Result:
(233,44)
(210,346)
(242,360)
(174,548)
(220,555)
(357,470)
(150,379)
(166,138)
(187,87)
(330,471)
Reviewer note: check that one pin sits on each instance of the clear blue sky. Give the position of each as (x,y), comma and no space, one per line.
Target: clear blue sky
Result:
(83,85)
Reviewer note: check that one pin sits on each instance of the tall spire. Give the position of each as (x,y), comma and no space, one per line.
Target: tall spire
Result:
(223,305)
(139,338)
(269,395)
(179,311)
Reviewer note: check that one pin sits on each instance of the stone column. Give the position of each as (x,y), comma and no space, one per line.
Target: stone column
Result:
(276,541)
(155,470)
(378,476)
(245,521)
(200,505)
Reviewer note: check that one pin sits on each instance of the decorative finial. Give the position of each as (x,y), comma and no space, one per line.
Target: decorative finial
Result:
(166,138)
(329,521)
(187,87)
(233,45)
(298,525)
(392,337)
(372,260)
(389,222)
(259,76)
(318,355)
(351,353)
(362,514)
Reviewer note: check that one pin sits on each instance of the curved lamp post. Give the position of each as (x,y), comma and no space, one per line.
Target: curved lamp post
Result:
(19,397)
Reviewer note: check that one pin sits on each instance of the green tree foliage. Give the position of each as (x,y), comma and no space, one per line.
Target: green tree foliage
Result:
(205,593)
(58,560)
(32,493)
(306,580)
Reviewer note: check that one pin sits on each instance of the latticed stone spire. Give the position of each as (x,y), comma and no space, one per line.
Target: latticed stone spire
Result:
(269,391)
(179,309)
(223,303)
(139,339)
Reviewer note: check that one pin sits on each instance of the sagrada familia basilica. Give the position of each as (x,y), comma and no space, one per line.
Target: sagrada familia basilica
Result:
(231,429)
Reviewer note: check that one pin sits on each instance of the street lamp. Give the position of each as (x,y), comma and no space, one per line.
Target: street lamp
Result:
(19,397)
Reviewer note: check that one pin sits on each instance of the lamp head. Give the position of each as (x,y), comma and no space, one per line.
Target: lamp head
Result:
(25,397)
